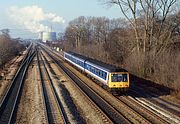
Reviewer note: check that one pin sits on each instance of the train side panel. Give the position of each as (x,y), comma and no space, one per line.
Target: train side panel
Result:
(97,73)
(67,56)
(75,61)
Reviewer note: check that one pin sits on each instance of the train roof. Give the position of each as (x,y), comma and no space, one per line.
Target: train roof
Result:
(78,55)
(108,67)
(105,66)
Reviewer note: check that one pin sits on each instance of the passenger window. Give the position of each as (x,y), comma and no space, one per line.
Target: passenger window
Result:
(100,73)
(96,71)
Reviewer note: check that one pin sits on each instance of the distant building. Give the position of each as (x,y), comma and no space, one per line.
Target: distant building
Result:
(48,36)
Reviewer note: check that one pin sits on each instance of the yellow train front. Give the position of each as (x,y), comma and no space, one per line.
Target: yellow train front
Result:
(118,81)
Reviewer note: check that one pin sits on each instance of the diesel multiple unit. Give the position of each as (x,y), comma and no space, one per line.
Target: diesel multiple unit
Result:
(114,78)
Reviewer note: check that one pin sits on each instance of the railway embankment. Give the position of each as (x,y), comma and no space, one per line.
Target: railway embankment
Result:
(9,71)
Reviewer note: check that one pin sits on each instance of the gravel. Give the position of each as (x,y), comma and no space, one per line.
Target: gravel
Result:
(74,101)
(9,72)
(31,107)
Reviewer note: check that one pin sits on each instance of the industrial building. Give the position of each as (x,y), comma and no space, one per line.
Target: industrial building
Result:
(48,36)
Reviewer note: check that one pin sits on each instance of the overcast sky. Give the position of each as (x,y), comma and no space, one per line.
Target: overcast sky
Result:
(25,18)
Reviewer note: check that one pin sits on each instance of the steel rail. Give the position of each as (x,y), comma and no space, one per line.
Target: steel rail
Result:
(161,112)
(11,98)
(55,97)
(106,119)
(19,69)
(42,89)
(149,115)
(111,112)
(155,99)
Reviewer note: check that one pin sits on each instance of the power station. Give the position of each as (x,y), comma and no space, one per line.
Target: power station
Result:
(48,36)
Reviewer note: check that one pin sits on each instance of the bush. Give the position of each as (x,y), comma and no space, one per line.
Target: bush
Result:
(8,49)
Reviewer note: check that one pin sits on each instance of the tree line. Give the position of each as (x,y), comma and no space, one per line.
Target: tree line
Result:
(146,42)
(9,47)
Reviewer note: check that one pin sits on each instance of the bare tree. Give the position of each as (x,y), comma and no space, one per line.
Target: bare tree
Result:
(8,47)
(148,20)
(115,42)
(151,10)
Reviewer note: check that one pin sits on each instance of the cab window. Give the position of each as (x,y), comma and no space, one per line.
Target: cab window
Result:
(119,78)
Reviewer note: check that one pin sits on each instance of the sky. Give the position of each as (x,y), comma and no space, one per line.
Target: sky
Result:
(25,18)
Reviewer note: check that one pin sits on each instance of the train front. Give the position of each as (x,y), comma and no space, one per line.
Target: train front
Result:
(119,81)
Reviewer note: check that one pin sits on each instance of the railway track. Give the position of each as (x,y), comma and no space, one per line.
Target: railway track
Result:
(152,116)
(105,119)
(8,106)
(144,112)
(115,115)
(54,109)
(156,109)
(152,97)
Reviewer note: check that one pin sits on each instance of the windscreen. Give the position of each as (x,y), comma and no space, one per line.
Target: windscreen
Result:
(119,78)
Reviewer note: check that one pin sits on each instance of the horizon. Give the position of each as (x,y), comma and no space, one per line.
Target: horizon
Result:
(42,15)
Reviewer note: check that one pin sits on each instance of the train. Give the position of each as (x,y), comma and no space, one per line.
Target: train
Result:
(114,78)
